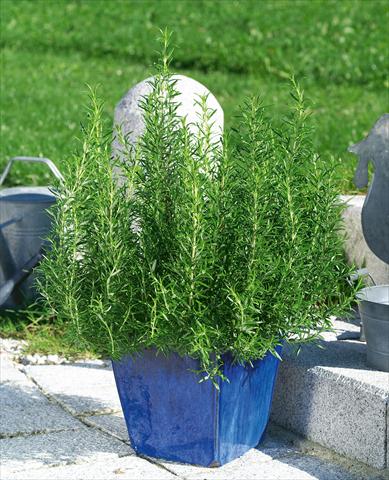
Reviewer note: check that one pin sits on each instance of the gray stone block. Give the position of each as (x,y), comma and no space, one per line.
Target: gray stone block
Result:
(356,247)
(331,397)
(79,446)
(128,468)
(84,389)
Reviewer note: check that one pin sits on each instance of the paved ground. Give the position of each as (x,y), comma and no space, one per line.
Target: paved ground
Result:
(64,422)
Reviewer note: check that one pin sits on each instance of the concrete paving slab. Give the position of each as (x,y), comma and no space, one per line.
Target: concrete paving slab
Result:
(251,465)
(128,468)
(306,448)
(331,397)
(9,371)
(87,453)
(25,410)
(282,455)
(325,470)
(276,444)
(113,424)
(51,449)
(347,328)
(255,465)
(82,388)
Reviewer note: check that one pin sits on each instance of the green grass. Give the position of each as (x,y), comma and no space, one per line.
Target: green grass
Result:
(325,40)
(51,49)
(41,336)
(47,121)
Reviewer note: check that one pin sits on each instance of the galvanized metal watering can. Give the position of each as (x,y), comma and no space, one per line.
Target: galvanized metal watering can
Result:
(24,223)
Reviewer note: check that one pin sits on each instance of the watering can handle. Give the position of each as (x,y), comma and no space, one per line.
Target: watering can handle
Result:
(46,161)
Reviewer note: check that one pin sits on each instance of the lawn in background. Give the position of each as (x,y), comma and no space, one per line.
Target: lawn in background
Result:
(51,49)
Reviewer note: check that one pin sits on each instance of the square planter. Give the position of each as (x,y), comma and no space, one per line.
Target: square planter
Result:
(170,415)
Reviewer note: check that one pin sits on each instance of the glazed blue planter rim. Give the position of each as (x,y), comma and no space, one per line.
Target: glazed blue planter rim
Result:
(171,415)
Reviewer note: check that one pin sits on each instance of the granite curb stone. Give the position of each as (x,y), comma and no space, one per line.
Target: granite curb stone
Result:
(331,397)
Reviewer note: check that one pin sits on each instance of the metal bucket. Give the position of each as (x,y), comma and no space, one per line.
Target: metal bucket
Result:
(24,223)
(374,311)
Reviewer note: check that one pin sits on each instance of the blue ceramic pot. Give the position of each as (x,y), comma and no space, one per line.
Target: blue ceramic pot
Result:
(170,415)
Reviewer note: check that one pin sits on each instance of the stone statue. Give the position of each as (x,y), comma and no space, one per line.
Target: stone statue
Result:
(375,212)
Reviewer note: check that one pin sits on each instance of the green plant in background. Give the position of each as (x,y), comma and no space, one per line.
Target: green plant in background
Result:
(206,248)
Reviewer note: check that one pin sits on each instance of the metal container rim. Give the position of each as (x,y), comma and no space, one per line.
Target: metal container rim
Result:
(27,194)
(362,294)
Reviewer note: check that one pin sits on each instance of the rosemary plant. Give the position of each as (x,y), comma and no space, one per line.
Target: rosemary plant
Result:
(207,248)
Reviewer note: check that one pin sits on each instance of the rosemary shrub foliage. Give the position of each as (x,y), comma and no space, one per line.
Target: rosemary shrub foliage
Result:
(206,249)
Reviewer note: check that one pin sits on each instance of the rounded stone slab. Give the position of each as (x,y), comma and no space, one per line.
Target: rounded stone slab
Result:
(129,117)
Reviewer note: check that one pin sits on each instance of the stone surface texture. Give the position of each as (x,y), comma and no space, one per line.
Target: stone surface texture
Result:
(49,449)
(82,388)
(73,434)
(281,464)
(111,423)
(357,250)
(129,116)
(25,410)
(128,468)
(330,396)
